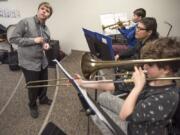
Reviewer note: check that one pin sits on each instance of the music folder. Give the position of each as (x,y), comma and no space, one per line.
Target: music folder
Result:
(99,45)
(88,103)
(104,44)
(90,37)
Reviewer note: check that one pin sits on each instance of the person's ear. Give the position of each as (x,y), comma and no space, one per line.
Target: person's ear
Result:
(167,70)
(149,32)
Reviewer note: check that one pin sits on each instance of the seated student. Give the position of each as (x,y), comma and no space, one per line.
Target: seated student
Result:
(146,30)
(128,32)
(151,104)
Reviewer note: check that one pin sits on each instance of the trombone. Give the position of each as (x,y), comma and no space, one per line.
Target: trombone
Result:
(131,81)
(89,64)
(33,84)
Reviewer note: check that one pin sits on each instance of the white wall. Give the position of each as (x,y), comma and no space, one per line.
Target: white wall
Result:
(71,15)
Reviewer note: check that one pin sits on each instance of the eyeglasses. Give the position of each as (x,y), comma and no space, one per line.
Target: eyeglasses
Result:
(139,28)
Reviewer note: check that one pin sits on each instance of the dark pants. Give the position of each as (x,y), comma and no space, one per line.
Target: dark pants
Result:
(36,93)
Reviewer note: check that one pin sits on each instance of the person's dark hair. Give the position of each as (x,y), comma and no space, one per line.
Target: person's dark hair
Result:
(163,48)
(150,24)
(140,12)
(46,4)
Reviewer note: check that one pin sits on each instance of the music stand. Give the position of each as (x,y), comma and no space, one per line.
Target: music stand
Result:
(100,46)
(90,106)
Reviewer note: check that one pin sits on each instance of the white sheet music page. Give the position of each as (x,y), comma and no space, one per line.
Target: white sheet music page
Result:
(64,71)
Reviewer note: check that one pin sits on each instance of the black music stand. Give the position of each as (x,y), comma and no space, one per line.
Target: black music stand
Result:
(100,46)
(90,106)
(170,28)
(104,45)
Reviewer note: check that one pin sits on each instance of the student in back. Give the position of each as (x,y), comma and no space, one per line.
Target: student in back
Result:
(146,30)
(129,33)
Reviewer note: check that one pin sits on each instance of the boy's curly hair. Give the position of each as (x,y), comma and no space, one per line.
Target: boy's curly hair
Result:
(162,48)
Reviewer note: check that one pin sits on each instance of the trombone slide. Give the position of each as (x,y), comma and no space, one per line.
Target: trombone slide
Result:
(40,86)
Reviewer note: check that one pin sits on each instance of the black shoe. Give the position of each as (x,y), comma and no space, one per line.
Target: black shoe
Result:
(34,112)
(46,102)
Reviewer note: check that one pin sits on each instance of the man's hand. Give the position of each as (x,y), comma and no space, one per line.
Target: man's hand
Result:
(39,40)
(78,79)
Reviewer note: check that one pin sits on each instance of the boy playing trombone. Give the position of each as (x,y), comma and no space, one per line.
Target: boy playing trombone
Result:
(150,105)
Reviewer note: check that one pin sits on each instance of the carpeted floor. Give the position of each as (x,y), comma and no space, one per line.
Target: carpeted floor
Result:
(66,110)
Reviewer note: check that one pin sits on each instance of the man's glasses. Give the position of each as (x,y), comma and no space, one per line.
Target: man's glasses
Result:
(139,28)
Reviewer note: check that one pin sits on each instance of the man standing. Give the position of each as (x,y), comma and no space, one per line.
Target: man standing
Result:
(32,37)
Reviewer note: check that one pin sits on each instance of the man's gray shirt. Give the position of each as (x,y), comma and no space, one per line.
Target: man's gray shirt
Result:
(30,55)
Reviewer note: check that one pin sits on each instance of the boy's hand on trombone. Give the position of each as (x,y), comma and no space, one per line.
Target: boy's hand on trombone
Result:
(78,79)
(116,57)
(139,78)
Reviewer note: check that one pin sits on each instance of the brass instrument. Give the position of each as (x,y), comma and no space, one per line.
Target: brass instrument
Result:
(130,80)
(90,65)
(123,74)
(103,81)
(33,84)
(116,25)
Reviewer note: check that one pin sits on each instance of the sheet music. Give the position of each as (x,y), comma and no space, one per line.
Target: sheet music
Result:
(64,71)
(85,95)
